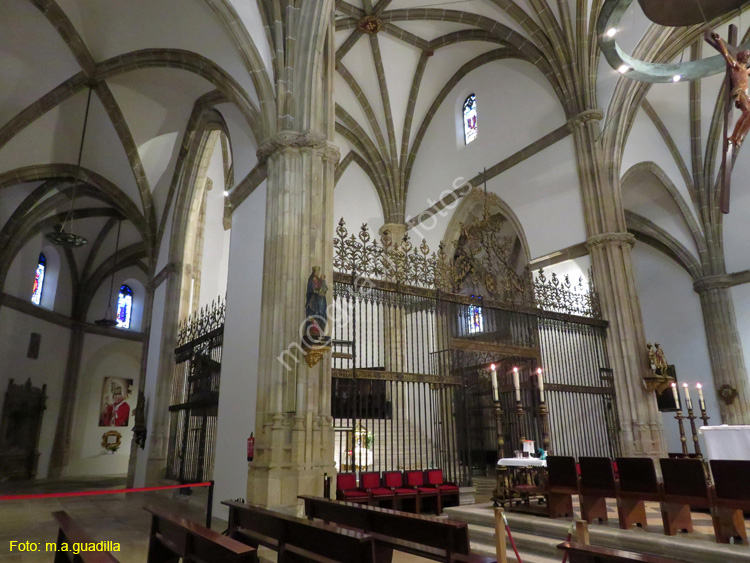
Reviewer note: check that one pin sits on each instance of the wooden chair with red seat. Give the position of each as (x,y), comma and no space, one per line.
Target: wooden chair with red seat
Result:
(415,481)
(732,497)
(394,480)
(377,493)
(638,483)
(346,488)
(685,486)
(562,484)
(447,491)
(597,485)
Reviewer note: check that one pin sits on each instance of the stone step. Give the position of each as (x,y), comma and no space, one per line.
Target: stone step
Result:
(537,535)
(488,550)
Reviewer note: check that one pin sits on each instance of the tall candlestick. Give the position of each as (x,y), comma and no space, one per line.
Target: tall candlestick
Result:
(541,384)
(701,401)
(688,402)
(676,396)
(495,389)
(517,385)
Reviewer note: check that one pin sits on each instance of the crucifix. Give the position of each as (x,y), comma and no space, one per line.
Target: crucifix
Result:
(735,88)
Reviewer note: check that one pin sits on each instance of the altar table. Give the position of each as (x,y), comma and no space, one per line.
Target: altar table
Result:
(519,479)
(726,442)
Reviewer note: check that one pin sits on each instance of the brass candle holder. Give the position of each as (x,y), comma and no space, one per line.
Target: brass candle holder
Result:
(683,439)
(520,414)
(544,415)
(692,418)
(499,426)
(704,415)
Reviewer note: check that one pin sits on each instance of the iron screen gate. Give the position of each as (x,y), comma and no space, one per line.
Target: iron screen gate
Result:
(195,396)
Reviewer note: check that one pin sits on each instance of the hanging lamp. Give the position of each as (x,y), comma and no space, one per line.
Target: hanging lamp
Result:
(108,320)
(60,236)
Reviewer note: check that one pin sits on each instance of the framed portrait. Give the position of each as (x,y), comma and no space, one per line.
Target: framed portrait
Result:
(114,409)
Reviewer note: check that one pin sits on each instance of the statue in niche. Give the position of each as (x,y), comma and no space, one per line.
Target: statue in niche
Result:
(660,360)
(738,71)
(316,308)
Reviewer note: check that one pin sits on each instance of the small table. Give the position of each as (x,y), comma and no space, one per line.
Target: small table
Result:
(519,479)
(726,442)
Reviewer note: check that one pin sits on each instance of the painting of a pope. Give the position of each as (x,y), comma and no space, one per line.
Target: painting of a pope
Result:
(316,305)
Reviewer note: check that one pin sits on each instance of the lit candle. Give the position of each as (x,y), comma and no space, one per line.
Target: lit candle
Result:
(517,385)
(676,396)
(688,402)
(495,390)
(541,384)
(701,401)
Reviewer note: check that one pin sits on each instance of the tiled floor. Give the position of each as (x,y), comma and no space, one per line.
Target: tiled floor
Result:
(119,518)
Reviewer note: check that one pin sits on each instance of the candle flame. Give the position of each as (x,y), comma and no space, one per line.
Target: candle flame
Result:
(492,367)
(684,384)
(539,370)
(515,369)
(674,385)
(699,386)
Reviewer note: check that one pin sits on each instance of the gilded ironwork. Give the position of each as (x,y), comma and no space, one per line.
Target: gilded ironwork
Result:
(202,322)
(483,261)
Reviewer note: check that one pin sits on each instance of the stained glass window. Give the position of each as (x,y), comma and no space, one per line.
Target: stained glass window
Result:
(36,295)
(476,320)
(470,118)
(124,306)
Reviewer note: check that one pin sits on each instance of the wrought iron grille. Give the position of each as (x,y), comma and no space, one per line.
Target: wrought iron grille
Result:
(195,395)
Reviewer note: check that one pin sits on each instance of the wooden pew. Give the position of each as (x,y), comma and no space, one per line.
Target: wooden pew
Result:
(439,539)
(173,537)
(597,485)
(297,539)
(580,553)
(70,532)
(685,485)
(732,497)
(638,483)
(562,484)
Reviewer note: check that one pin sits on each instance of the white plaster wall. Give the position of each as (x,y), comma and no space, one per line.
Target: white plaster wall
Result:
(239,362)
(741,298)
(356,201)
(49,368)
(672,316)
(152,372)
(102,357)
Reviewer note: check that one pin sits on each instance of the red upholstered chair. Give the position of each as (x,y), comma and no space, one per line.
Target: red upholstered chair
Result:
(394,480)
(415,481)
(346,488)
(448,491)
(377,494)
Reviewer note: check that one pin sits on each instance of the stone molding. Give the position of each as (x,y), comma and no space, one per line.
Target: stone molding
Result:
(601,239)
(720,281)
(296,140)
(584,117)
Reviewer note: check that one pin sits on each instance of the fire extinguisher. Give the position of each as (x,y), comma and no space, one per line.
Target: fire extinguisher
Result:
(250,447)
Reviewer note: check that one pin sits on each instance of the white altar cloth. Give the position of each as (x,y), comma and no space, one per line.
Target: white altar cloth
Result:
(726,442)
(522,462)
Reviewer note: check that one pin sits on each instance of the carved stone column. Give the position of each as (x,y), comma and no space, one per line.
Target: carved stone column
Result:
(294,432)
(610,246)
(725,348)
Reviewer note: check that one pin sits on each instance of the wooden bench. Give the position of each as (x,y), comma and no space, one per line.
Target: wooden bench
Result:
(562,484)
(297,539)
(731,498)
(597,485)
(70,532)
(685,486)
(638,484)
(173,537)
(580,553)
(439,539)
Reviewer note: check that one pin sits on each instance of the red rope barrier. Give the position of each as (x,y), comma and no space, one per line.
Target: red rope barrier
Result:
(105,492)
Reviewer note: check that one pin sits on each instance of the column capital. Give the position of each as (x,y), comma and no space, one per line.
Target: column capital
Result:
(284,140)
(584,117)
(720,281)
(618,239)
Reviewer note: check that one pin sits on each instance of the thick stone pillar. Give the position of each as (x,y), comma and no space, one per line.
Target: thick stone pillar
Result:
(294,428)
(610,246)
(725,348)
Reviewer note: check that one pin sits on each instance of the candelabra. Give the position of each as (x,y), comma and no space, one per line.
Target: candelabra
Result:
(696,445)
(544,415)
(683,439)
(499,425)
(520,414)
(704,415)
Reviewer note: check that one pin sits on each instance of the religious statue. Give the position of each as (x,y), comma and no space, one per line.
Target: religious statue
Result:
(738,71)
(316,307)
(660,359)
(651,357)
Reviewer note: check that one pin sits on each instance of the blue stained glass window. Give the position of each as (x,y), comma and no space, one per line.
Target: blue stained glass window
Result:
(476,320)
(124,306)
(470,118)
(36,295)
